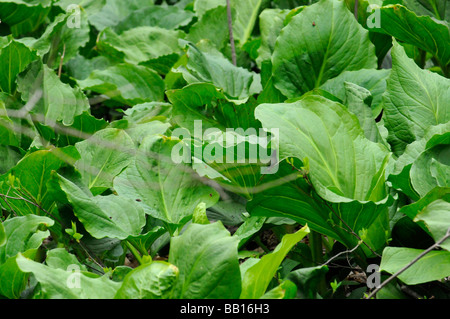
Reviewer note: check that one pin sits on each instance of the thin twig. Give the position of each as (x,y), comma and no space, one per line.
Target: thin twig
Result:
(230,30)
(32,203)
(341,253)
(350,229)
(98,263)
(436,245)
(61,62)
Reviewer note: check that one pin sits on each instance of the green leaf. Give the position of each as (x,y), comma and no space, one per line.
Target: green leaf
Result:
(431,169)
(7,134)
(24,17)
(358,100)
(286,290)
(104,216)
(210,27)
(14,58)
(400,176)
(256,279)
(169,18)
(62,36)
(433,266)
(251,226)
(115,11)
(307,281)
(151,281)
(126,83)
(422,31)
(67,284)
(145,241)
(103,156)
(24,233)
(34,172)
(167,191)
(370,79)
(12,280)
(415,99)
(49,97)
(2,234)
(435,216)
(199,216)
(244,16)
(342,161)
(236,82)
(292,198)
(271,22)
(244,20)
(319,43)
(84,125)
(139,44)
(206,256)
(60,258)
(438,9)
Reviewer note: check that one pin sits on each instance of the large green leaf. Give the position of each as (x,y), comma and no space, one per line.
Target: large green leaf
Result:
(49,97)
(7,132)
(245,14)
(167,191)
(14,58)
(424,32)
(435,216)
(291,197)
(433,266)
(2,234)
(115,11)
(210,27)
(319,43)
(358,101)
(139,44)
(400,176)
(32,174)
(206,256)
(150,281)
(431,169)
(169,18)
(104,216)
(22,16)
(415,99)
(271,22)
(438,9)
(103,156)
(12,280)
(256,279)
(342,161)
(24,233)
(236,82)
(126,83)
(370,79)
(62,37)
(66,284)
(345,168)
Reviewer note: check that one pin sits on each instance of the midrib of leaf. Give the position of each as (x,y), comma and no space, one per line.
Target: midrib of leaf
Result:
(197,260)
(324,62)
(318,152)
(252,20)
(100,171)
(163,197)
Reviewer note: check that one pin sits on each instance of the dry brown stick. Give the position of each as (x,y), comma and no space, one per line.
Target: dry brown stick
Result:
(436,245)
(230,30)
